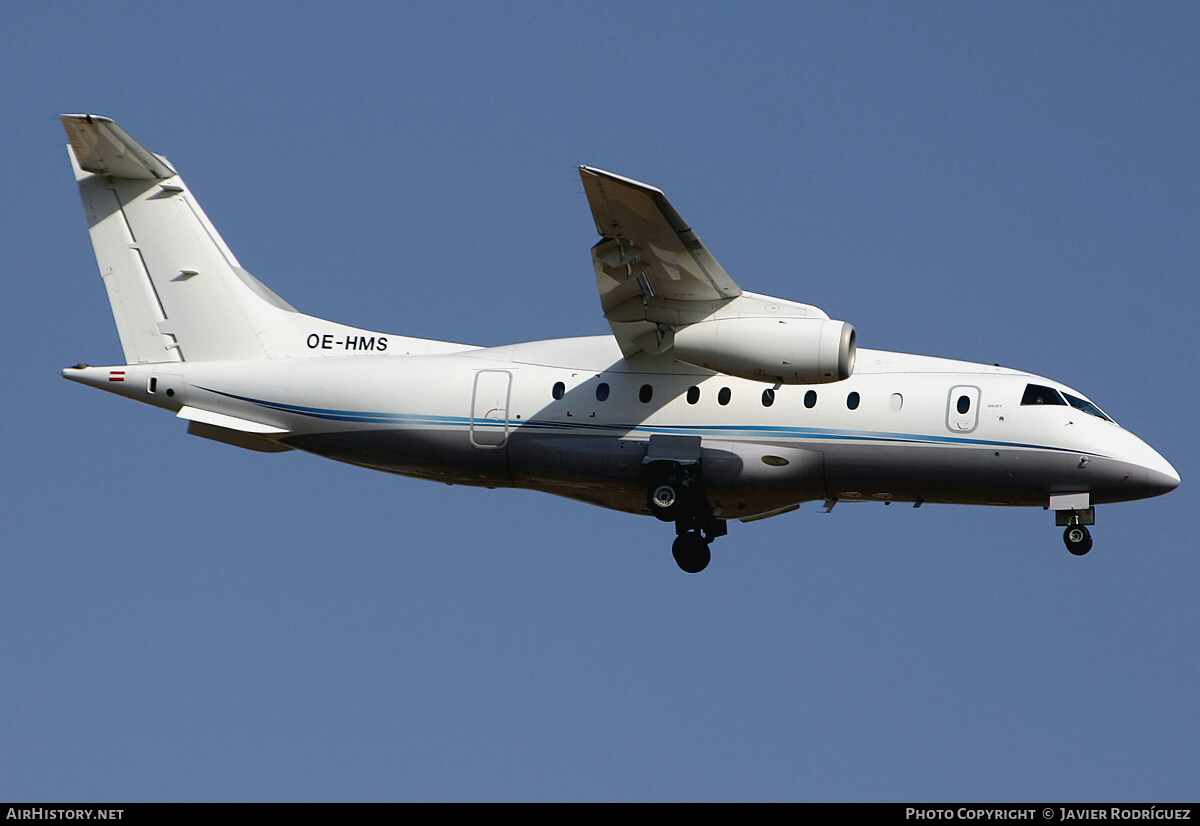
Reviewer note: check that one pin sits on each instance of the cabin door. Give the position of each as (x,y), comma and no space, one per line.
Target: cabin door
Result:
(489,408)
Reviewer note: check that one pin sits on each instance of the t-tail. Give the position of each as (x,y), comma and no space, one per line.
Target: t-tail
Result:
(177,291)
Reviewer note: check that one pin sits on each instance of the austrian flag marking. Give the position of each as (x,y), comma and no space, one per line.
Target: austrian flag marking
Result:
(116,375)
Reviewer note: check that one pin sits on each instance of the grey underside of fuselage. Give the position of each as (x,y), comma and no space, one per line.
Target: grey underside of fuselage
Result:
(609,470)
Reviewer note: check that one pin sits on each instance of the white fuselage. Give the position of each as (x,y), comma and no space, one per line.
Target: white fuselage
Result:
(490,416)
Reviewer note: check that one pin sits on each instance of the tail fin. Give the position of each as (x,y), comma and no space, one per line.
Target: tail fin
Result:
(176,290)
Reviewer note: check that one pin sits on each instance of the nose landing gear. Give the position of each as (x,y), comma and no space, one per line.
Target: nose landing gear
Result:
(1078,539)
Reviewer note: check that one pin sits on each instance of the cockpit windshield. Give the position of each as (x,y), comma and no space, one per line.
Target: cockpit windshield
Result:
(1040,394)
(1086,406)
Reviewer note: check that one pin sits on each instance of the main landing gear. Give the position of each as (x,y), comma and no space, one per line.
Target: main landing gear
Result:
(675,494)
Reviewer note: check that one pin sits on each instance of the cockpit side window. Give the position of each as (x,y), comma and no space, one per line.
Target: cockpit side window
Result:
(1040,394)
(1086,406)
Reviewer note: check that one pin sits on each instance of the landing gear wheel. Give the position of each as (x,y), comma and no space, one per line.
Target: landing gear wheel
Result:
(663,499)
(691,552)
(673,491)
(1078,539)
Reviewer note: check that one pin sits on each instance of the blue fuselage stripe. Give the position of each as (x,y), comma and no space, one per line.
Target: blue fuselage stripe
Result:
(736,432)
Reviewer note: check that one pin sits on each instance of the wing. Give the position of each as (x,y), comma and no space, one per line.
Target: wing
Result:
(652,270)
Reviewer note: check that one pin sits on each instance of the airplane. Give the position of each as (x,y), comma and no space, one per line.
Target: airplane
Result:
(707,403)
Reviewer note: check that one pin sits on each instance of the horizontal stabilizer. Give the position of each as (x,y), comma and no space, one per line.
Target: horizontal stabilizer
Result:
(195,414)
(104,148)
(237,438)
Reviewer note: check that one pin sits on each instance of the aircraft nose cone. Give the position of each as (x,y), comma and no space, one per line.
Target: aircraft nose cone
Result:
(1160,481)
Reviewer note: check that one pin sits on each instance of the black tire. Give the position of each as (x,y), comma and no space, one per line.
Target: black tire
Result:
(1078,539)
(691,553)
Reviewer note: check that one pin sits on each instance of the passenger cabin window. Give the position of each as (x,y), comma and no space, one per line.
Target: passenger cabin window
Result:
(768,397)
(964,404)
(1039,394)
(601,391)
(693,394)
(559,390)
(810,399)
(852,401)
(645,394)
(723,396)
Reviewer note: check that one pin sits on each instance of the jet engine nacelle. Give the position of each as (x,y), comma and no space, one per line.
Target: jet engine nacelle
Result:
(787,350)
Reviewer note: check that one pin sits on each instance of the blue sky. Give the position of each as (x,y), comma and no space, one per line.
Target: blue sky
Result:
(1012,183)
